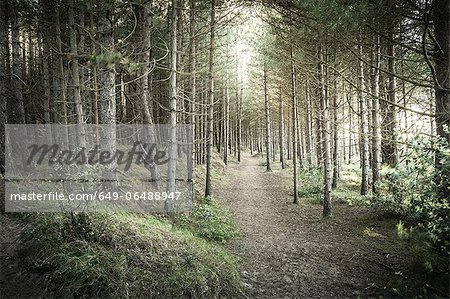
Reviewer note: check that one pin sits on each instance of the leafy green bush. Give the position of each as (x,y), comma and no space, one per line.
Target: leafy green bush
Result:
(209,221)
(311,184)
(413,190)
(126,256)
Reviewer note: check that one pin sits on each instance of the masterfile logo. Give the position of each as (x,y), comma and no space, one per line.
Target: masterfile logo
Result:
(52,168)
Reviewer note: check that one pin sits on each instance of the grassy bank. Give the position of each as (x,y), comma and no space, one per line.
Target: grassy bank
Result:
(126,256)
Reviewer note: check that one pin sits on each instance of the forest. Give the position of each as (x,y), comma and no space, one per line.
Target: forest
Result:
(225,148)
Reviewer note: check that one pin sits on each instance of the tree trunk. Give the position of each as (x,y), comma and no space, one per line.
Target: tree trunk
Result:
(309,124)
(441,20)
(239,121)
(209,136)
(391,119)
(192,70)
(171,168)
(325,130)
(107,91)
(3,83)
(95,99)
(363,126)
(226,129)
(84,72)
(144,16)
(294,126)
(281,131)
(15,103)
(318,129)
(376,131)
(267,117)
(335,137)
(46,78)
(60,82)
(350,133)
(76,76)
(106,72)
(299,134)
(45,33)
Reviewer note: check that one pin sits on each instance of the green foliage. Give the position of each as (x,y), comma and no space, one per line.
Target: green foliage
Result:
(332,16)
(311,184)
(210,222)
(427,259)
(349,188)
(130,66)
(404,233)
(107,59)
(413,190)
(126,256)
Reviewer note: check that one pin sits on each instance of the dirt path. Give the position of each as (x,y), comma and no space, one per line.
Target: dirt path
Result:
(288,251)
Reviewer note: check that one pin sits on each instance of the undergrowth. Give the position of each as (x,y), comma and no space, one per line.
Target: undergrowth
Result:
(416,191)
(311,184)
(126,256)
(209,221)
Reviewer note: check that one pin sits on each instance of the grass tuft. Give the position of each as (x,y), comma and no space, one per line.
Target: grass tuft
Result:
(210,222)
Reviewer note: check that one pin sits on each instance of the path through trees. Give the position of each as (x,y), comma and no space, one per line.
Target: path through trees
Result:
(287,251)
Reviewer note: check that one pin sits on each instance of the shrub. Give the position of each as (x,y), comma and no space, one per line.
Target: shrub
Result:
(413,190)
(311,183)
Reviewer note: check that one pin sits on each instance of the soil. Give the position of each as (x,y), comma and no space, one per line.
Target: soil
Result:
(290,251)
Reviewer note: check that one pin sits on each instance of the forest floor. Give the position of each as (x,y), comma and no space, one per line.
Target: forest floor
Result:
(289,251)
(16,282)
(285,250)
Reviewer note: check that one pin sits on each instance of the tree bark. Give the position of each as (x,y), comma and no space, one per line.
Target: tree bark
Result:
(95,94)
(226,129)
(335,137)
(3,83)
(210,119)
(16,105)
(107,90)
(281,131)
(363,126)
(309,124)
(192,70)
(145,19)
(376,130)
(325,132)
(76,76)
(391,152)
(267,118)
(350,133)
(46,78)
(441,21)
(294,126)
(299,133)
(59,84)
(441,16)
(239,96)
(171,169)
